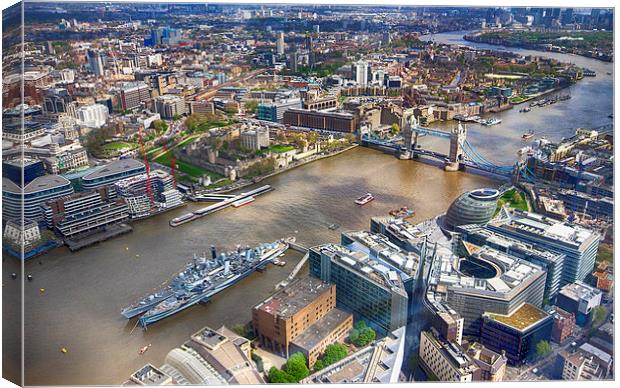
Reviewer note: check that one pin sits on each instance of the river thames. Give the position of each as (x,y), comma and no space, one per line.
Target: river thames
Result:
(84,291)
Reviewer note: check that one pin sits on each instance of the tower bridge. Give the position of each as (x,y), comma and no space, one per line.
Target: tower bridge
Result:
(461,153)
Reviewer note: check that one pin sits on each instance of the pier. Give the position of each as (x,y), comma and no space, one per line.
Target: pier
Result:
(299,248)
(224,202)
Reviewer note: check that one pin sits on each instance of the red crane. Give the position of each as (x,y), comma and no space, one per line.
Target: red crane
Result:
(173,166)
(149,189)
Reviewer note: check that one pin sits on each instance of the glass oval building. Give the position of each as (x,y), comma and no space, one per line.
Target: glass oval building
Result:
(473,207)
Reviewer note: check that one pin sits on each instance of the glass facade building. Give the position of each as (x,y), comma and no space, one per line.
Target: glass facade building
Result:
(474,207)
(370,291)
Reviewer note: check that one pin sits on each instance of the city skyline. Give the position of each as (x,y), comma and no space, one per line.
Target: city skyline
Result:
(219,193)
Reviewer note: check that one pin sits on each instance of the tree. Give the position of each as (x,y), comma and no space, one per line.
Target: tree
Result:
(516,198)
(296,366)
(160,125)
(277,376)
(250,106)
(176,116)
(598,316)
(395,129)
(191,122)
(312,137)
(362,335)
(349,137)
(543,349)
(333,353)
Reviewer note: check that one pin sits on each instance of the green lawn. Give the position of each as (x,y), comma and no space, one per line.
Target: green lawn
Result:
(605,252)
(184,167)
(516,99)
(117,146)
(509,198)
(279,148)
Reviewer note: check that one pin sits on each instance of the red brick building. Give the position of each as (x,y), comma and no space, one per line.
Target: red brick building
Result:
(563,325)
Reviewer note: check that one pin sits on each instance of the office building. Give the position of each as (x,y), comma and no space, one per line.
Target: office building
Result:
(133,95)
(585,363)
(600,207)
(328,121)
(485,280)
(516,333)
(170,105)
(491,365)
(110,173)
(443,360)
(580,299)
(93,116)
(33,195)
(474,207)
(400,232)
(378,247)
(149,375)
(164,36)
(201,108)
(15,132)
(333,327)
(83,212)
(56,101)
(361,71)
(578,244)
(379,362)
(210,357)
(227,353)
(563,325)
(134,191)
(280,43)
(301,317)
(367,288)
(95,62)
(552,262)
(26,168)
(22,233)
(274,111)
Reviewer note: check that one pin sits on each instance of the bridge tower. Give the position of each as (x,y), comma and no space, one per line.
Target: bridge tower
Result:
(410,138)
(457,139)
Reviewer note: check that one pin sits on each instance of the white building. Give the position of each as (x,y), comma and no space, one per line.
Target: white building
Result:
(444,359)
(361,72)
(93,116)
(280,43)
(170,105)
(255,138)
(15,232)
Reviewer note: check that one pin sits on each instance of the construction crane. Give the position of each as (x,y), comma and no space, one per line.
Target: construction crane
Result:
(173,166)
(149,189)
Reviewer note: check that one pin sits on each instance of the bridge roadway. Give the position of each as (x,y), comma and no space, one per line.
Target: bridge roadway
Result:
(498,170)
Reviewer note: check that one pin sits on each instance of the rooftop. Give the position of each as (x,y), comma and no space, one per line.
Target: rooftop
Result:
(522,318)
(579,291)
(379,247)
(549,228)
(45,182)
(288,301)
(376,363)
(320,329)
(365,266)
(112,168)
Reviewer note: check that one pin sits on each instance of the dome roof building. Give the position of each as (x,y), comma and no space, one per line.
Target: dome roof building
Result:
(474,207)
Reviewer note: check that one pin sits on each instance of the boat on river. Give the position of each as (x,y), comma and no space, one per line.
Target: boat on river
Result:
(203,278)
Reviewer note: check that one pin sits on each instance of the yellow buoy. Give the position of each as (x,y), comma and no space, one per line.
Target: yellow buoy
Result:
(41,289)
(126,248)
(63,350)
